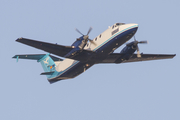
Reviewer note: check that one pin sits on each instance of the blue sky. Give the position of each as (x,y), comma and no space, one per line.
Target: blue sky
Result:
(131,91)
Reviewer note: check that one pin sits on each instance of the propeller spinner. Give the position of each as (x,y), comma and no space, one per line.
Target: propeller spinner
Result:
(86,37)
(135,43)
(137,48)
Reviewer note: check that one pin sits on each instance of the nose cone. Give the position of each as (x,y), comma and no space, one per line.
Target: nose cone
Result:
(86,37)
(130,27)
(133,25)
(130,30)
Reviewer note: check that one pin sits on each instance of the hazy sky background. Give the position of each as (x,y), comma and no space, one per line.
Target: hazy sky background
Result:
(130,91)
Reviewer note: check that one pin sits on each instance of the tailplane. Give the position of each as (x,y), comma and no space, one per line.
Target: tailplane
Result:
(46,60)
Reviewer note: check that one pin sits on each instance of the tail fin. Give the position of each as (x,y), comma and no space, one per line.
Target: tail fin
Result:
(46,61)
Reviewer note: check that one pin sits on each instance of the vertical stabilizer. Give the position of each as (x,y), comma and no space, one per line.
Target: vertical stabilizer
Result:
(46,60)
(47,63)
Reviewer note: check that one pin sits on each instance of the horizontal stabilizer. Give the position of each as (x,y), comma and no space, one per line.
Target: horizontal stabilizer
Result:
(47,73)
(35,57)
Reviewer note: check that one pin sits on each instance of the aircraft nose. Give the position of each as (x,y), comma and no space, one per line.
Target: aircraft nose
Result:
(134,25)
(131,26)
(131,30)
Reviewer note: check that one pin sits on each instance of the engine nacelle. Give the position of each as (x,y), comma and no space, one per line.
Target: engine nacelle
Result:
(80,42)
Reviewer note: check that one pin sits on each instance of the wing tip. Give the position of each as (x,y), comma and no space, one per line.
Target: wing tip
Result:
(173,55)
(14,56)
(19,39)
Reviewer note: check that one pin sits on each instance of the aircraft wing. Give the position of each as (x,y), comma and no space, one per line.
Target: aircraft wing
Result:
(144,57)
(59,50)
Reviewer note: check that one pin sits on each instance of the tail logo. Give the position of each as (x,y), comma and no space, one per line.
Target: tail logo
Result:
(46,60)
(52,66)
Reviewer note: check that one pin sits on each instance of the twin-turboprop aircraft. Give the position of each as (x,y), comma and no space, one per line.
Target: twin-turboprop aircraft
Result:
(84,52)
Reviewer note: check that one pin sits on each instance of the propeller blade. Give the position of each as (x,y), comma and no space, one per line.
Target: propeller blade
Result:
(78,31)
(137,48)
(86,37)
(144,42)
(89,30)
(140,41)
(138,53)
(135,38)
(92,41)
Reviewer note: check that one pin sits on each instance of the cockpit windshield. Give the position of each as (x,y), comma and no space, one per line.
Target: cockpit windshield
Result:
(118,24)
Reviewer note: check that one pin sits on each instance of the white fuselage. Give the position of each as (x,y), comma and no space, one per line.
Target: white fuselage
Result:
(104,42)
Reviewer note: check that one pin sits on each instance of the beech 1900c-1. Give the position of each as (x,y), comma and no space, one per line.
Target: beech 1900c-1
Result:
(84,52)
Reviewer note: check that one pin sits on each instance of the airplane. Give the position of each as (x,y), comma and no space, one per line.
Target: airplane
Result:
(85,52)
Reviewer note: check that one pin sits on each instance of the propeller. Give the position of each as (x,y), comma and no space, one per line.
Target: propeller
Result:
(86,37)
(135,43)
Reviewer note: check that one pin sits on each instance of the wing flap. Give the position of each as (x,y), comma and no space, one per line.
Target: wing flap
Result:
(112,58)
